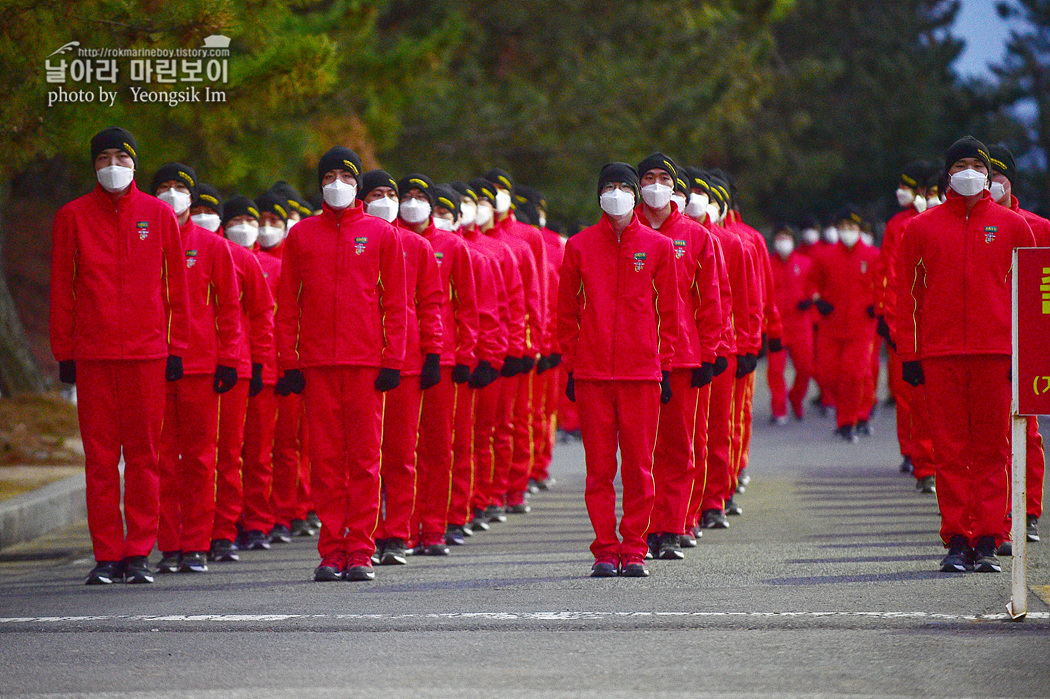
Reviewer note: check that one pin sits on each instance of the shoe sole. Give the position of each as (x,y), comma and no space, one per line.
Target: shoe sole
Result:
(98,581)
(168,570)
(634,573)
(953,568)
(389,559)
(359,577)
(988,568)
(716,525)
(139,579)
(672,556)
(603,572)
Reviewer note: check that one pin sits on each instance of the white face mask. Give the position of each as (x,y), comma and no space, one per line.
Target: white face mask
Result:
(919,204)
(831,235)
(784,246)
(810,236)
(932,202)
(339,194)
(656,195)
(468,213)
(384,208)
(207,221)
(484,216)
(270,236)
(679,201)
(244,234)
(849,237)
(998,191)
(713,212)
(905,196)
(867,238)
(696,206)
(179,201)
(968,182)
(415,211)
(115,178)
(617,203)
(543,221)
(291,222)
(444,224)
(502,201)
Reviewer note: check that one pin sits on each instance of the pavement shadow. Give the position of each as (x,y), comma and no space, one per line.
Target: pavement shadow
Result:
(867,578)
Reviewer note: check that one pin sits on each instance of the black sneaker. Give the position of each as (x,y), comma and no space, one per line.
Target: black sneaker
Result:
(926,484)
(864,428)
(255,540)
(194,562)
(359,570)
(534,486)
(519,509)
(847,434)
(1005,549)
(740,488)
(105,573)
(300,527)
(652,541)
(280,534)
(733,509)
(136,570)
(546,484)
(984,556)
(313,520)
(634,568)
(687,541)
(714,519)
(478,524)
(468,530)
(960,556)
(327,572)
(393,553)
(169,562)
(744,479)
(494,514)
(669,549)
(454,535)
(1032,529)
(906,465)
(435,550)
(223,551)
(603,569)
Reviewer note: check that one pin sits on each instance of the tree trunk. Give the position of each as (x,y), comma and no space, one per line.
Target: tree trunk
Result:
(19,372)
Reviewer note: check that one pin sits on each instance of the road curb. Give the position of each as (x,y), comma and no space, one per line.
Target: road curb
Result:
(34,514)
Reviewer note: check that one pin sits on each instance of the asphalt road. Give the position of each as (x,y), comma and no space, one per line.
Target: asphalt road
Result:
(826,586)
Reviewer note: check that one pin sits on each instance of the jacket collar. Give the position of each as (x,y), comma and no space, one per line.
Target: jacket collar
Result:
(605,226)
(350,214)
(957,203)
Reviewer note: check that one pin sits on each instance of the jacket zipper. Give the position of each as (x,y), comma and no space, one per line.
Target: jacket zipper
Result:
(616,305)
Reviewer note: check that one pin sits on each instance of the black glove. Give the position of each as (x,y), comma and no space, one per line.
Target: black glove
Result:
(67,371)
(721,364)
(912,373)
(542,365)
(512,366)
(703,374)
(293,381)
(527,362)
(570,389)
(225,379)
(823,307)
(555,360)
(870,310)
(882,328)
(776,345)
(461,373)
(173,370)
(745,364)
(255,386)
(388,379)
(805,304)
(484,374)
(762,347)
(665,388)
(430,376)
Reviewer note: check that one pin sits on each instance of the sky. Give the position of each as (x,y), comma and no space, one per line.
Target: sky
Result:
(985,34)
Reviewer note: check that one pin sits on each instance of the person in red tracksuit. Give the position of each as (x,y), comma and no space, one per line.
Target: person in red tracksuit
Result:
(699,330)
(844,278)
(617,324)
(240,226)
(1004,169)
(119,327)
(341,333)
(459,321)
(794,297)
(953,324)
(189,438)
(378,192)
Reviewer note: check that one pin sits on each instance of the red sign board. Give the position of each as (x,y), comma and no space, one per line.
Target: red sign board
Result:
(1033,331)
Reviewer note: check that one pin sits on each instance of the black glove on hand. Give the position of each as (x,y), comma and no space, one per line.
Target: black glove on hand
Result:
(703,374)
(173,370)
(823,307)
(430,376)
(870,310)
(484,374)
(527,362)
(67,371)
(570,389)
(665,388)
(721,364)
(882,328)
(542,365)
(912,373)
(225,379)
(554,359)
(293,381)
(255,385)
(512,366)
(460,373)
(776,345)
(745,364)
(805,304)
(388,379)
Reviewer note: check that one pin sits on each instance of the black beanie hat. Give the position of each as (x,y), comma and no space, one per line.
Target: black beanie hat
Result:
(967,147)
(681,183)
(657,161)
(339,158)
(850,213)
(1002,161)
(272,202)
(448,198)
(418,181)
(526,205)
(208,196)
(935,177)
(483,188)
(238,205)
(289,194)
(178,172)
(114,137)
(618,172)
(696,180)
(464,189)
(914,173)
(500,178)
(375,178)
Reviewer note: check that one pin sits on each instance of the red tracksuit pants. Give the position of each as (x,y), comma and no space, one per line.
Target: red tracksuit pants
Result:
(1035,469)
(120,405)
(913,431)
(718,485)
(486,409)
(344,414)
(398,465)
(257,512)
(700,452)
(229,469)
(459,504)
(542,423)
(674,468)
(969,404)
(847,362)
(189,442)
(624,415)
(801,351)
(503,438)
(743,404)
(434,462)
(521,462)
(290,497)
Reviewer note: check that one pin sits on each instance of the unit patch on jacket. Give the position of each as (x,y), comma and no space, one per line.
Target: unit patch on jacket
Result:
(989,233)
(439,256)
(143,227)
(863,266)
(191,258)
(679,249)
(639,261)
(359,245)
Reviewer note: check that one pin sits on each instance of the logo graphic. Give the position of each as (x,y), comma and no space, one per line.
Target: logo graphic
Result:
(989,233)
(863,266)
(67,48)
(439,256)
(217,41)
(143,227)
(191,258)
(359,245)
(639,261)
(679,249)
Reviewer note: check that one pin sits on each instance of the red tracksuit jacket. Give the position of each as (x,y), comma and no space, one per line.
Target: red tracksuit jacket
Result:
(793,282)
(341,300)
(491,303)
(746,316)
(506,231)
(534,238)
(771,322)
(424,325)
(555,245)
(845,278)
(215,306)
(618,303)
(459,303)
(271,269)
(1039,225)
(517,325)
(953,279)
(257,311)
(891,240)
(118,279)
